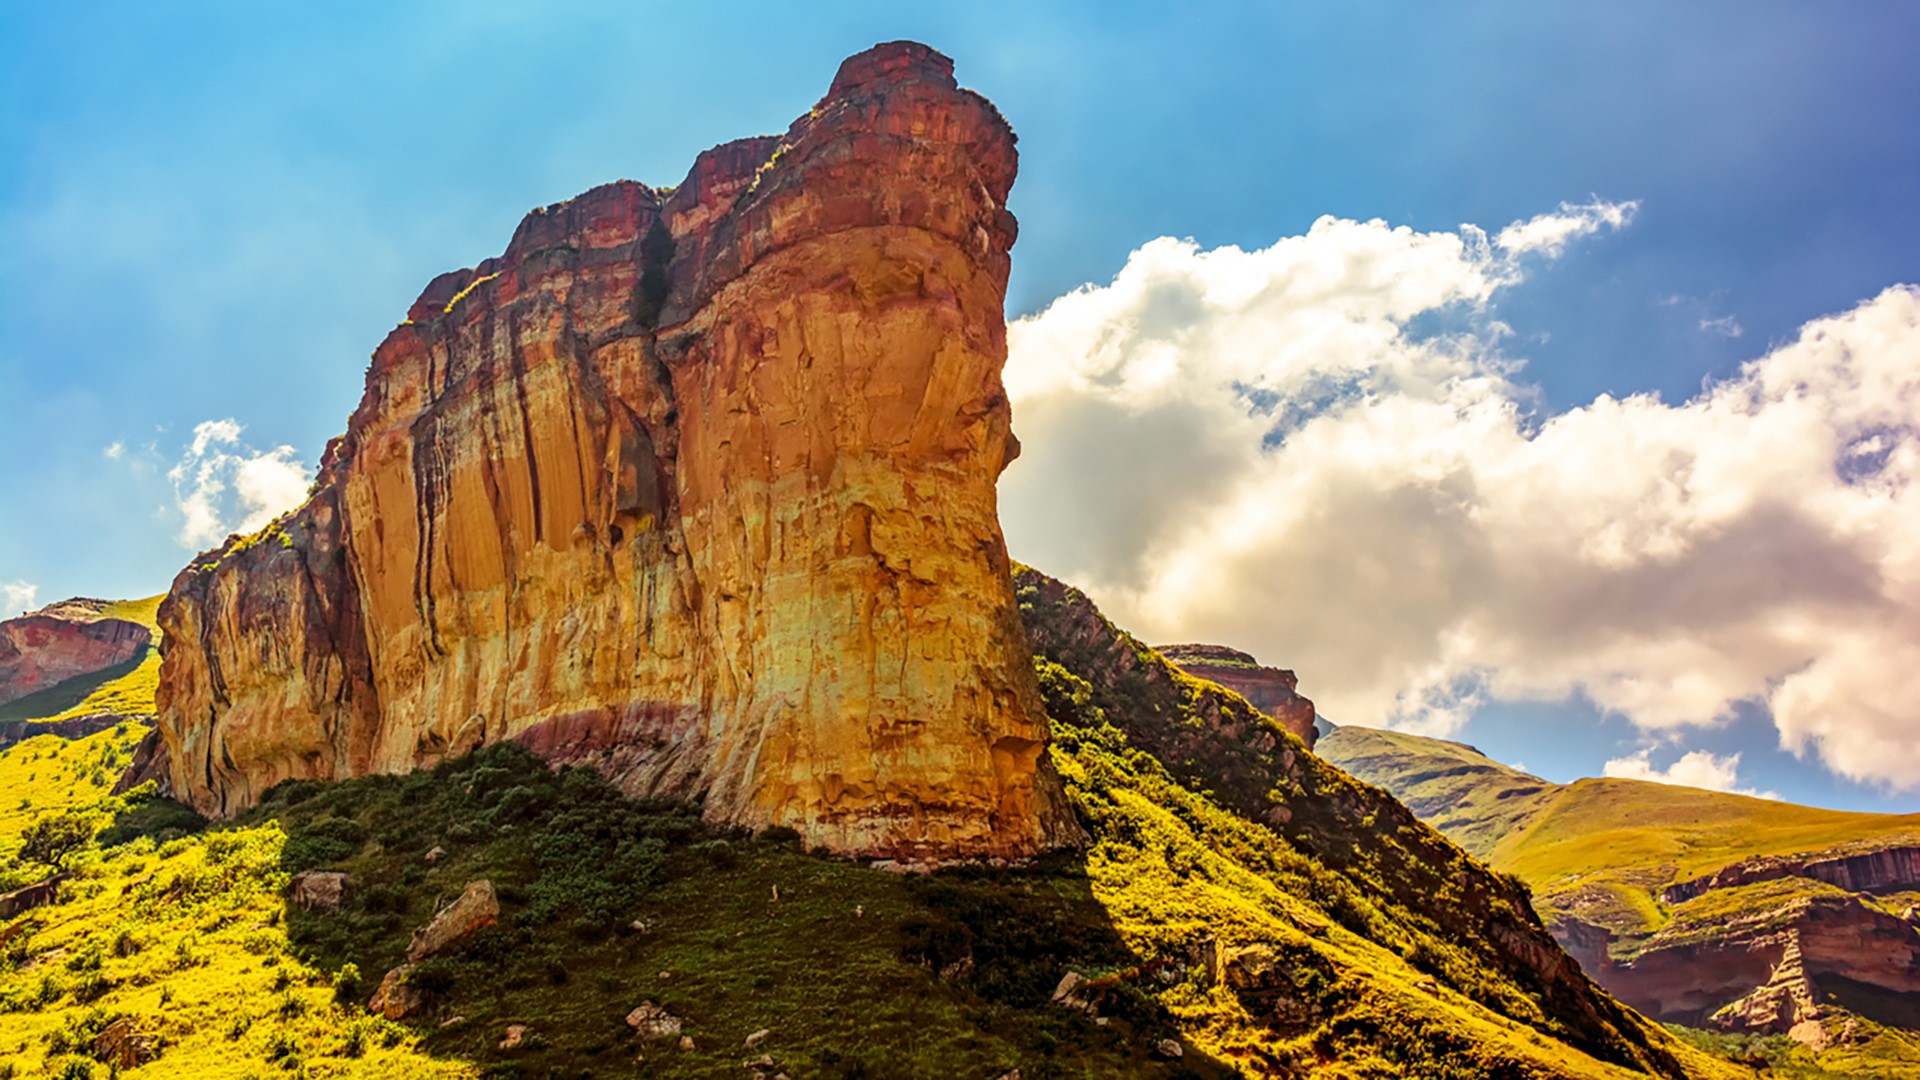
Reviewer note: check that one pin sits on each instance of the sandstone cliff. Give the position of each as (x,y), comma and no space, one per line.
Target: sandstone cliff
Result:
(62,641)
(696,486)
(1271,690)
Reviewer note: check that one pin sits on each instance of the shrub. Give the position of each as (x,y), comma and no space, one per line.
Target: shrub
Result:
(53,841)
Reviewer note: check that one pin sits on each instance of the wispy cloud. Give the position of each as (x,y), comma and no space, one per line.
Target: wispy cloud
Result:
(1259,448)
(221,485)
(1695,768)
(1549,234)
(17,597)
(1725,326)
(114,451)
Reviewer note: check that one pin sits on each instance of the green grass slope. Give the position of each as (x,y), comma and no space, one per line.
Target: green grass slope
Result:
(1376,948)
(1599,848)
(1455,788)
(1600,852)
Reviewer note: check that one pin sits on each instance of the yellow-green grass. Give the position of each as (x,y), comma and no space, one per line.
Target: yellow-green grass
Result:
(1474,799)
(1601,830)
(47,774)
(145,612)
(190,939)
(1598,849)
(125,689)
(1186,866)
(193,940)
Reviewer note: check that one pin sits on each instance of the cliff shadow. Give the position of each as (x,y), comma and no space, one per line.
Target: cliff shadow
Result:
(610,904)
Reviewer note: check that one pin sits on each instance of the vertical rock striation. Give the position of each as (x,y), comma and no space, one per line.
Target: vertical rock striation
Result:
(693,486)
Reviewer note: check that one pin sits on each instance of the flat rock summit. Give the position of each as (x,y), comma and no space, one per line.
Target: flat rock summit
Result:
(695,485)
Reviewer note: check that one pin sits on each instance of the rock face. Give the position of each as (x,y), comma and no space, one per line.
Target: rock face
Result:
(1271,690)
(696,487)
(64,641)
(1767,969)
(1869,869)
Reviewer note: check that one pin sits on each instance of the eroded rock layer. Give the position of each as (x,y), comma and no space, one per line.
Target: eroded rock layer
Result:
(44,648)
(1271,690)
(695,486)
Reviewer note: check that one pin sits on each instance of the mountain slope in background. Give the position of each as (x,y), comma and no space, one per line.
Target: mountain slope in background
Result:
(83,665)
(1697,907)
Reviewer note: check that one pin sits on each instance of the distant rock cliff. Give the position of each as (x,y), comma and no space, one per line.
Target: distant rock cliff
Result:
(63,641)
(1271,690)
(696,486)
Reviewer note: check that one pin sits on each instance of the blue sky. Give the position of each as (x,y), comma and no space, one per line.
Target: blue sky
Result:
(215,211)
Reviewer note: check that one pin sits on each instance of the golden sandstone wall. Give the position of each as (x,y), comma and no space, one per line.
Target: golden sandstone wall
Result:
(696,487)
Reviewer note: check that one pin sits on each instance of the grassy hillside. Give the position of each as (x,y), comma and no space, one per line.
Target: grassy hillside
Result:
(1350,941)
(1430,965)
(1629,826)
(1603,847)
(1455,788)
(1599,852)
(126,689)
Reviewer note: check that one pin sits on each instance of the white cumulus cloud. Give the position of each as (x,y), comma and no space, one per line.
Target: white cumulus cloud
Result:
(17,597)
(221,485)
(1695,768)
(1319,451)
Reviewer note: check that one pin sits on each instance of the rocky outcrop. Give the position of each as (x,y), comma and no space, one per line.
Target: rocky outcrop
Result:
(63,641)
(397,997)
(317,890)
(39,894)
(122,1045)
(1761,967)
(693,486)
(73,727)
(1868,869)
(476,908)
(1271,690)
(150,763)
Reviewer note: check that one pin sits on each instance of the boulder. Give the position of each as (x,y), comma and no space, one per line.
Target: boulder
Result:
(318,890)
(516,1034)
(476,909)
(122,1046)
(397,997)
(1074,992)
(1251,967)
(653,1023)
(758,1037)
(39,894)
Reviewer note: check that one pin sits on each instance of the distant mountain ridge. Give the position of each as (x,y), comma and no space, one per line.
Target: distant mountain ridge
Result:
(1696,907)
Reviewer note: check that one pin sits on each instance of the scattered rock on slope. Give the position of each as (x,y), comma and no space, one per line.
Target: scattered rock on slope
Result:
(476,909)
